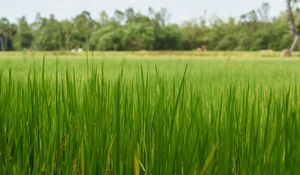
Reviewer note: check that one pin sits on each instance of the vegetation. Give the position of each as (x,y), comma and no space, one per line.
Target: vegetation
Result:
(110,115)
(131,30)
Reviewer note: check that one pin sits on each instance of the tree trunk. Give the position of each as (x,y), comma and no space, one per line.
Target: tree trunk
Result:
(1,44)
(292,26)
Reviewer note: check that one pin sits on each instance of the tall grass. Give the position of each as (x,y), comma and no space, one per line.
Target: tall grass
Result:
(150,124)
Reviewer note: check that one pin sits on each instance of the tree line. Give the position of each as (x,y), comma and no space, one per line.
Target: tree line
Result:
(131,30)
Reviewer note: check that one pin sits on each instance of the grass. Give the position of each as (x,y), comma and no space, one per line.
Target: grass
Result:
(62,115)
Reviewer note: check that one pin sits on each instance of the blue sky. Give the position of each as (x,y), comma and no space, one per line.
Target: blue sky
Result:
(180,10)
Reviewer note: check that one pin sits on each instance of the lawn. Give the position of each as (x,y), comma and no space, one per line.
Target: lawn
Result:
(149,113)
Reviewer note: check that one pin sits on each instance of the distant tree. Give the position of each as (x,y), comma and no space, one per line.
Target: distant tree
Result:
(104,19)
(67,28)
(138,36)
(7,33)
(107,37)
(48,33)
(162,16)
(169,38)
(264,12)
(83,27)
(24,36)
(131,30)
(250,17)
(292,23)
(191,35)
(119,16)
(130,15)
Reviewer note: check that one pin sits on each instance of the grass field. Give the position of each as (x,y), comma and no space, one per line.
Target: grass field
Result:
(149,113)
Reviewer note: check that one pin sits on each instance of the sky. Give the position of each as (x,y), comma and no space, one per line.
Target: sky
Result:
(180,10)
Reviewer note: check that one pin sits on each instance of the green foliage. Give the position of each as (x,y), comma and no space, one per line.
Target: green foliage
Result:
(138,36)
(131,30)
(7,32)
(24,36)
(83,26)
(48,33)
(107,38)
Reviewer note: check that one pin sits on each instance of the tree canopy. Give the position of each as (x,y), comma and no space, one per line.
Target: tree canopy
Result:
(131,30)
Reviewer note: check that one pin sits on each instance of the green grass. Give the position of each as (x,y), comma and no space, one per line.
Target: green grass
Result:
(176,113)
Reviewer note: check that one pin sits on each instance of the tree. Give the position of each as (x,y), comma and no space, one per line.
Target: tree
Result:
(292,23)
(138,36)
(24,36)
(162,16)
(7,32)
(48,34)
(119,17)
(83,26)
(169,38)
(104,19)
(67,28)
(264,12)
(107,38)
(132,30)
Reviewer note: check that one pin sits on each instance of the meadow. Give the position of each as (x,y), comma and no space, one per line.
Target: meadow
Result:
(149,113)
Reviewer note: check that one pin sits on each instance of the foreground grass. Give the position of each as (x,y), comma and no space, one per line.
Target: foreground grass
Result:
(150,121)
